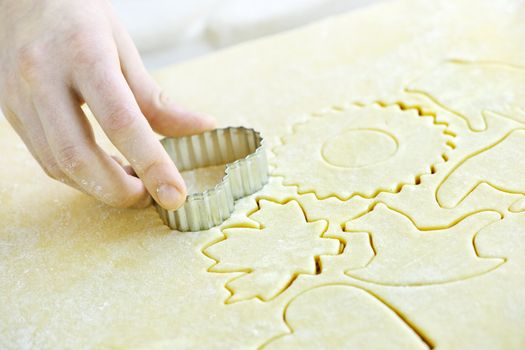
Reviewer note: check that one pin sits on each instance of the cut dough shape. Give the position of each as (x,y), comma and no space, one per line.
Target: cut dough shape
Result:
(346,318)
(76,274)
(271,256)
(500,165)
(504,238)
(342,150)
(411,199)
(471,88)
(357,250)
(360,151)
(518,206)
(406,255)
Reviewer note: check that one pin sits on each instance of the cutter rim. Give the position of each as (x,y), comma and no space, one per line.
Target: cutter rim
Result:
(257,157)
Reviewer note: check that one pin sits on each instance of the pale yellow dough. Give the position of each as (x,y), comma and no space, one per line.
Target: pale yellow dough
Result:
(394,216)
(202,179)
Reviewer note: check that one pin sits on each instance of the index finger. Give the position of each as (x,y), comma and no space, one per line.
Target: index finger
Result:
(109,97)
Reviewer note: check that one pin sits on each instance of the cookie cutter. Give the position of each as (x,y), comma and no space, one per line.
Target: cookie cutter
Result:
(243,152)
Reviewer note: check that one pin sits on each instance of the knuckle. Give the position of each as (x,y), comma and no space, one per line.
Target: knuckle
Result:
(150,167)
(83,48)
(101,79)
(54,171)
(47,162)
(86,59)
(123,201)
(70,159)
(77,37)
(121,198)
(29,60)
(121,118)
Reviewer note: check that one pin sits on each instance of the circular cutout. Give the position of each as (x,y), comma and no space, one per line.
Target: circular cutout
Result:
(356,148)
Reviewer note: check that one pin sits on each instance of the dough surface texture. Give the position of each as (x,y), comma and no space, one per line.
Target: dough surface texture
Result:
(394,216)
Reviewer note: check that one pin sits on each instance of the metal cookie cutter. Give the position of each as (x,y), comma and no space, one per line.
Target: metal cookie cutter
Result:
(243,152)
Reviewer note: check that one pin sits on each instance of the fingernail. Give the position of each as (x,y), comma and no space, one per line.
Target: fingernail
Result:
(170,197)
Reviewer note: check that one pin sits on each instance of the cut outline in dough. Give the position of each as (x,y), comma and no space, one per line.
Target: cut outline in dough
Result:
(421,111)
(376,130)
(483,113)
(243,272)
(487,182)
(404,319)
(402,106)
(349,273)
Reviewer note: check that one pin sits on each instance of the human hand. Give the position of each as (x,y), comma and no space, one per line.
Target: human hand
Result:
(57,54)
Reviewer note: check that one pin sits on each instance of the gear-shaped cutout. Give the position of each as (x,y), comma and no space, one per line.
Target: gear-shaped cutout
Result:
(362,151)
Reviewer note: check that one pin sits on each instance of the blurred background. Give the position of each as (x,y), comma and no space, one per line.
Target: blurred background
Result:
(171,31)
(168,31)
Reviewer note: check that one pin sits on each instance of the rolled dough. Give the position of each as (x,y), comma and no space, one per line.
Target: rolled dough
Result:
(424,249)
